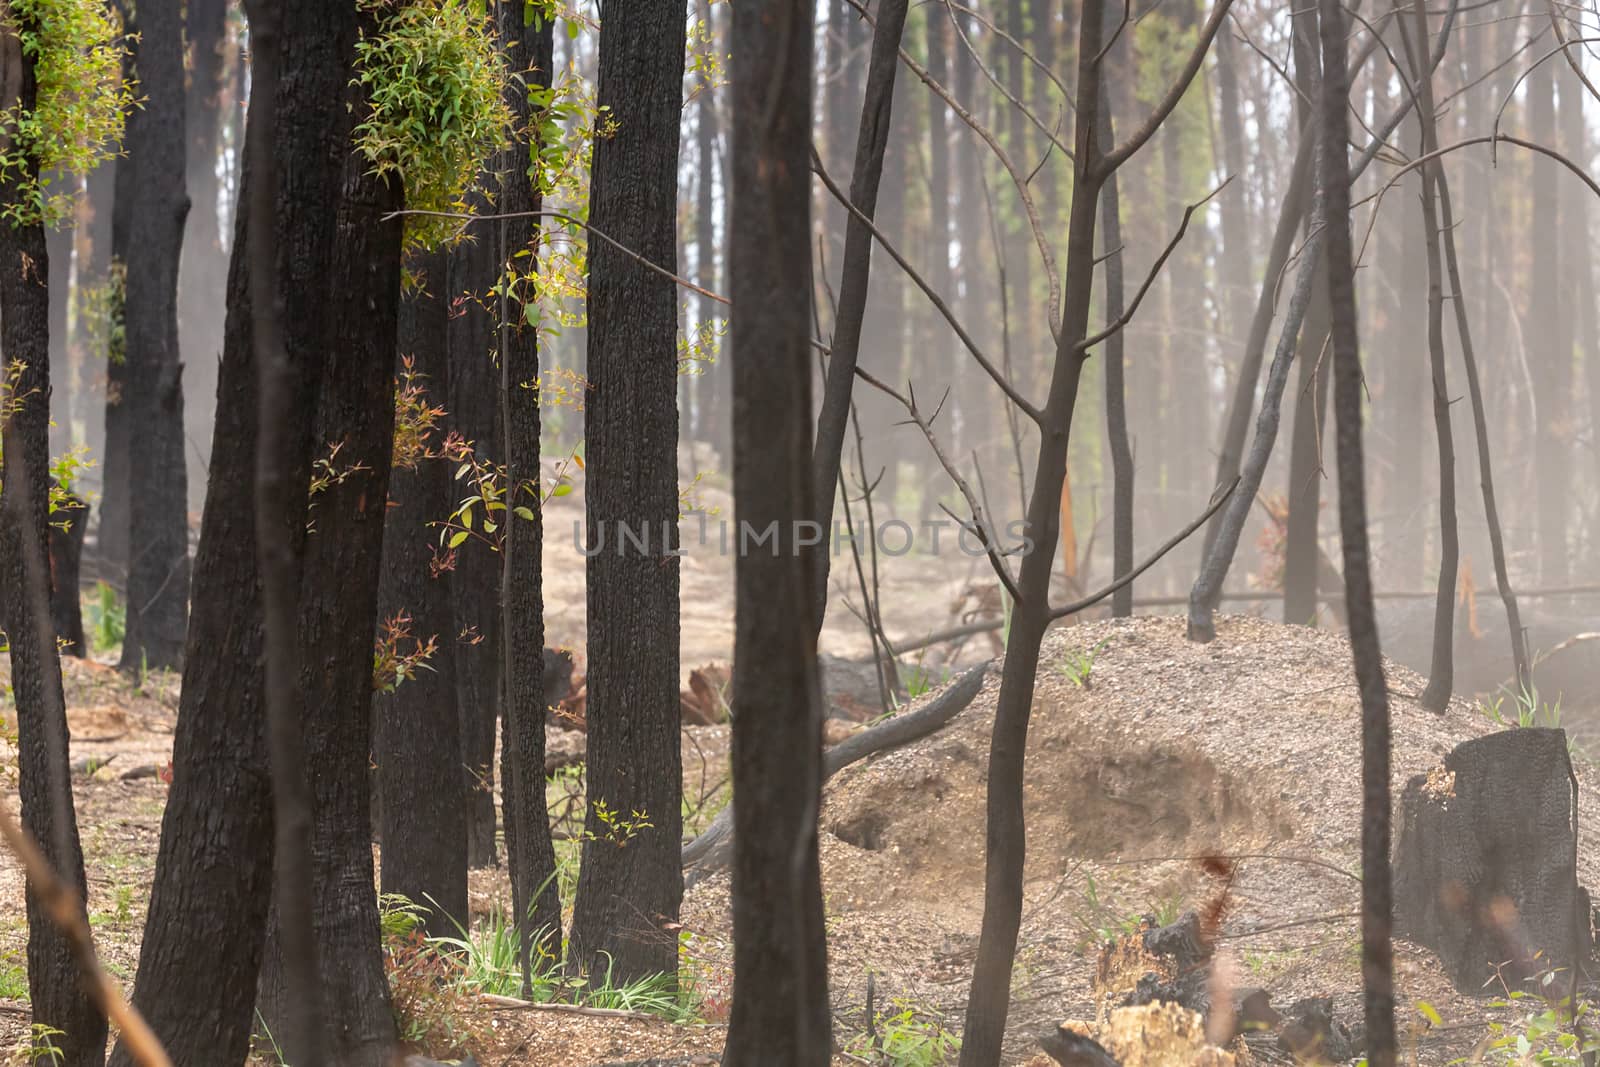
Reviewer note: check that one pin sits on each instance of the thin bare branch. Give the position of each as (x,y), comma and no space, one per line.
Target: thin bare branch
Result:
(562,216)
(1155,271)
(1052,135)
(1561,49)
(938,302)
(984,529)
(1155,557)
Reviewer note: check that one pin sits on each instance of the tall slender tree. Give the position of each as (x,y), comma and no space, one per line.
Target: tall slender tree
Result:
(780,1004)
(1441,675)
(628,897)
(54,993)
(530,853)
(1377,956)
(1302,552)
(877,109)
(473,402)
(111,535)
(158,529)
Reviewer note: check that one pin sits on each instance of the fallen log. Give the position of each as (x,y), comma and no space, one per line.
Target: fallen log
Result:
(712,849)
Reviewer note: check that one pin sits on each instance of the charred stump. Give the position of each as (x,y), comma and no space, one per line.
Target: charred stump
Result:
(67,529)
(1485,871)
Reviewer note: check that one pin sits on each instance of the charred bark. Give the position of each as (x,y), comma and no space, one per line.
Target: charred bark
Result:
(530,853)
(44,778)
(337,609)
(474,406)
(1122,472)
(158,516)
(1377,951)
(417,727)
(68,527)
(206,925)
(780,1004)
(628,898)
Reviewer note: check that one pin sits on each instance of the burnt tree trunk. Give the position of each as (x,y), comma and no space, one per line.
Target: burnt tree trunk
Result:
(206,926)
(1441,675)
(1492,827)
(338,609)
(780,1004)
(1121,449)
(417,727)
(628,897)
(530,853)
(1377,951)
(854,284)
(55,994)
(111,535)
(1480,421)
(474,407)
(158,529)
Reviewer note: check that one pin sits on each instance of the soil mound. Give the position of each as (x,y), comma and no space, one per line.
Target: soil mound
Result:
(1146,754)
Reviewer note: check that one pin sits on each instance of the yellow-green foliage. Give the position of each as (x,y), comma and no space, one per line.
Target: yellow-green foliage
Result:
(435,83)
(77,48)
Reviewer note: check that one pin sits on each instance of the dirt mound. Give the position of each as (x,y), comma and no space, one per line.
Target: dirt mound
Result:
(1146,752)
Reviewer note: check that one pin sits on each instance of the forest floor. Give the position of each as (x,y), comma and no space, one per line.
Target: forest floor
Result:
(1146,753)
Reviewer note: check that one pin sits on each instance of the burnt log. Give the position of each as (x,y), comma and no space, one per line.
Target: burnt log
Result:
(713,849)
(68,525)
(1072,1049)
(1486,866)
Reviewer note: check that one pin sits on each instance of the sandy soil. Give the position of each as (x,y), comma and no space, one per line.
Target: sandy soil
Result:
(1245,746)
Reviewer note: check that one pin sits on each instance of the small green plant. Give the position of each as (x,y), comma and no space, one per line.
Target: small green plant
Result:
(1078,663)
(77,47)
(1101,921)
(922,679)
(37,1046)
(488,958)
(1528,710)
(435,91)
(107,617)
(397,655)
(1545,1031)
(13,977)
(909,1035)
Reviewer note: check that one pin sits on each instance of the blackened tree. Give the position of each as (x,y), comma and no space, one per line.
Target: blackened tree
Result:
(780,1004)
(630,885)
(1377,958)
(474,406)
(417,728)
(206,925)
(54,993)
(529,40)
(152,404)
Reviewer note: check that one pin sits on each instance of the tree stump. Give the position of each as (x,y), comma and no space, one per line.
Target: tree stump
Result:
(1485,871)
(66,562)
